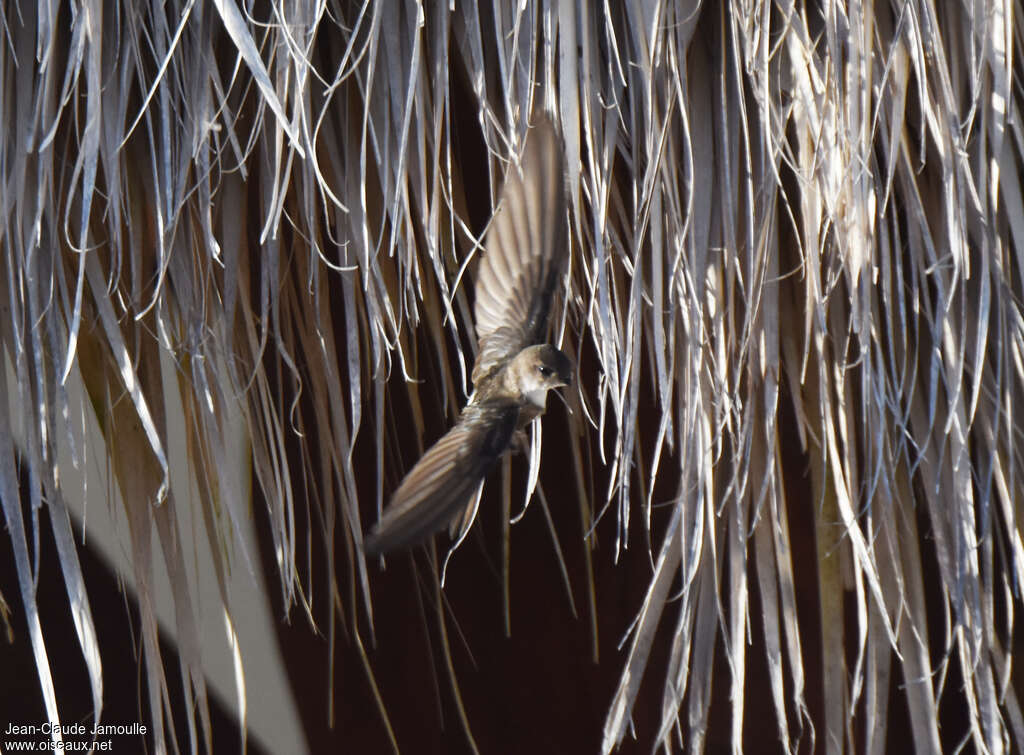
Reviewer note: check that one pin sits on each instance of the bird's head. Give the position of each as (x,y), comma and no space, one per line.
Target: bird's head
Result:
(538,369)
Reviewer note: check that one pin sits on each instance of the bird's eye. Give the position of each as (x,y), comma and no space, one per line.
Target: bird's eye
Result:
(544,370)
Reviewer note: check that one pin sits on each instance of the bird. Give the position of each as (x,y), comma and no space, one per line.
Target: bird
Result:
(524,256)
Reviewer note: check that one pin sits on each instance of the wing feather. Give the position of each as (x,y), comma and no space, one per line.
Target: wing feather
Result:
(443,481)
(524,254)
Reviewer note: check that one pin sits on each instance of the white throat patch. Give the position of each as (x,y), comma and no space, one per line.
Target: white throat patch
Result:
(537,397)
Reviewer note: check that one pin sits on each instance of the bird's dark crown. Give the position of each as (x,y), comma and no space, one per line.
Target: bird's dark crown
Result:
(552,362)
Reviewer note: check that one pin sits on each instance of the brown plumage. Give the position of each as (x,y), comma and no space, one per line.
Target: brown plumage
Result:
(525,254)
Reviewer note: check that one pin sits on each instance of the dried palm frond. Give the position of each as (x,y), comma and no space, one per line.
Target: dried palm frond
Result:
(795,299)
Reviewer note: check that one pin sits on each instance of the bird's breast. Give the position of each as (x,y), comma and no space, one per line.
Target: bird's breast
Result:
(510,386)
(532,407)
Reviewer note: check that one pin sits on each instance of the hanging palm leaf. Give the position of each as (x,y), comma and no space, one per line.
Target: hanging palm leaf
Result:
(241,245)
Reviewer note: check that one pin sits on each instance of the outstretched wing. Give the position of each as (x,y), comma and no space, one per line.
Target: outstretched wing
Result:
(524,254)
(444,480)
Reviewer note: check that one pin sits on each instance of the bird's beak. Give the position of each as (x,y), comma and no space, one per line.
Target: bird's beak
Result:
(560,397)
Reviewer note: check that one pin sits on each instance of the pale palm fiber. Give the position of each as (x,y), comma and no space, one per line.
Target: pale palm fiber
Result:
(797,232)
